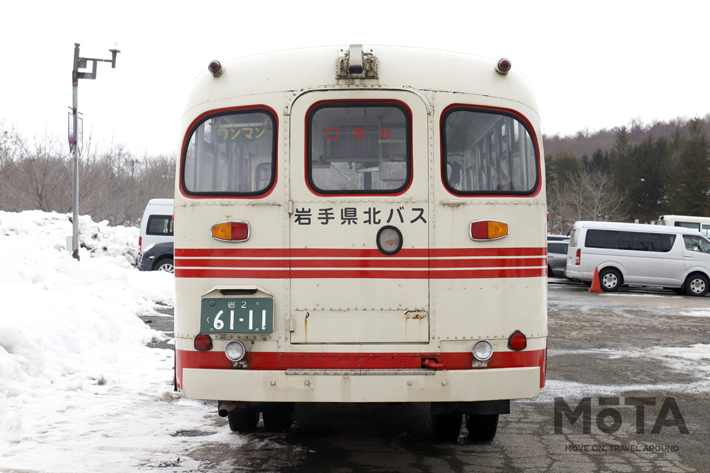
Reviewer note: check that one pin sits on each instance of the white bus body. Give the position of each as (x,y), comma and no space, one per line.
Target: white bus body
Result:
(378,212)
(636,254)
(701,224)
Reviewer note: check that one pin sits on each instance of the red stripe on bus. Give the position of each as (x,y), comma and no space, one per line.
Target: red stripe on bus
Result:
(486,263)
(354,253)
(274,361)
(357,263)
(181,272)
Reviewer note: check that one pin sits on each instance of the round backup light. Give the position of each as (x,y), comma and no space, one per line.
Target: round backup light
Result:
(517,341)
(203,342)
(503,66)
(215,67)
(235,351)
(482,350)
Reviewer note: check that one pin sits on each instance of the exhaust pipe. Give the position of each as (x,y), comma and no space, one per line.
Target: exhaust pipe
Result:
(225,407)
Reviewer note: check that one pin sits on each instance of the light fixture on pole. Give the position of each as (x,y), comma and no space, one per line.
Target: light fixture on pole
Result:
(75,134)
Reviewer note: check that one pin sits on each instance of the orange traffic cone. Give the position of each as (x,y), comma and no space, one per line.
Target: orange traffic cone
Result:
(596,288)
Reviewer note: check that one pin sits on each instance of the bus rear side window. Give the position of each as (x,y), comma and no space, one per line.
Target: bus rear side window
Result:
(359,148)
(487,152)
(231,154)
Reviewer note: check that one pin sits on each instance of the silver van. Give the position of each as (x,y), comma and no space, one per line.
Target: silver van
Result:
(646,255)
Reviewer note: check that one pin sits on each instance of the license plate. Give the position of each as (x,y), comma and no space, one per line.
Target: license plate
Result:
(234,315)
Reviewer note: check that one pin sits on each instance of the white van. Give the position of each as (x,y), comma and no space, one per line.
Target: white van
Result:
(647,255)
(156,224)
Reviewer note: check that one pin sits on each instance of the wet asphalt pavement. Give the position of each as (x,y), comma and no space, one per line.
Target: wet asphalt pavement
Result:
(610,348)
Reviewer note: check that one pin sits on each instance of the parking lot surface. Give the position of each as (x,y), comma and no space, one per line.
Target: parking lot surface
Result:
(631,368)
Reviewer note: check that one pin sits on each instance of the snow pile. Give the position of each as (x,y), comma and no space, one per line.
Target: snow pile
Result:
(62,322)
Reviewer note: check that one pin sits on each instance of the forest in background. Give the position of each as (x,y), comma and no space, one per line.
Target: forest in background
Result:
(629,173)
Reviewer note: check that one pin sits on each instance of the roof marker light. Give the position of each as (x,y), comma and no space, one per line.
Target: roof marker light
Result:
(504,66)
(215,67)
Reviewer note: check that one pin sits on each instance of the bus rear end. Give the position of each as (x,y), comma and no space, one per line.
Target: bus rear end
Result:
(353,236)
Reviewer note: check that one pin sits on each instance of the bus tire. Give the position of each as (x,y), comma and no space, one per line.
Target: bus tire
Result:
(446,426)
(278,418)
(609,279)
(696,285)
(243,420)
(481,427)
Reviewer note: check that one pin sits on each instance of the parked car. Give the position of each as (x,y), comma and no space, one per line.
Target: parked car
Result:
(156,236)
(677,258)
(158,257)
(556,256)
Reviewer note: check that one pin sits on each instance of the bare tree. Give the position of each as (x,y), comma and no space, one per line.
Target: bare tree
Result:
(585,196)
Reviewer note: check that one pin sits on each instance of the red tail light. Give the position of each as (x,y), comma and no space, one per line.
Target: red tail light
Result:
(231,231)
(517,341)
(140,245)
(203,342)
(578,260)
(488,230)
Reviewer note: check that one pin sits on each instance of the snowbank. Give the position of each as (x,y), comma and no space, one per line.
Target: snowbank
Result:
(63,322)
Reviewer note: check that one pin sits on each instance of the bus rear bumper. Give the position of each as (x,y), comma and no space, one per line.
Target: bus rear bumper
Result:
(438,386)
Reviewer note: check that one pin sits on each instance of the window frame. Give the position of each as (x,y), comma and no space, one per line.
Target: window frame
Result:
(337,103)
(533,192)
(223,112)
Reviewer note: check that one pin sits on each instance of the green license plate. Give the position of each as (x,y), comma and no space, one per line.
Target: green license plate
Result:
(235,315)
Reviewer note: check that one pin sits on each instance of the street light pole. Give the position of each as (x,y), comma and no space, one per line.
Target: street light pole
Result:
(80,63)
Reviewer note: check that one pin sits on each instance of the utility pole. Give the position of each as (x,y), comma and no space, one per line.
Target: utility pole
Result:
(80,63)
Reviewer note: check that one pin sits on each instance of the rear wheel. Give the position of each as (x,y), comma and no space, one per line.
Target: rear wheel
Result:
(243,420)
(609,279)
(446,426)
(278,418)
(696,285)
(482,427)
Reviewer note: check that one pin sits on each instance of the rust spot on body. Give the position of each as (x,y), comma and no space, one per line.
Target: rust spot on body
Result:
(305,322)
(416,314)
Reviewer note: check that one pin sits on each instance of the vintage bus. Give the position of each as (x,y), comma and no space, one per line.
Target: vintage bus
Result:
(361,225)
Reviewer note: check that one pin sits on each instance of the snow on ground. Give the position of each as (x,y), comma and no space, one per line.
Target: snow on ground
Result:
(79,390)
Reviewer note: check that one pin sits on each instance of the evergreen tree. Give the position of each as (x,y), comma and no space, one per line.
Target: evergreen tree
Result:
(566,165)
(691,179)
(621,165)
(646,193)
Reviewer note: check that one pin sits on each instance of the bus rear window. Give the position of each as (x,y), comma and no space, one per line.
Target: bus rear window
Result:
(231,154)
(359,148)
(487,152)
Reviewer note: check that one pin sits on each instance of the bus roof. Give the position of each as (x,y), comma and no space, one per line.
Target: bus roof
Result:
(421,69)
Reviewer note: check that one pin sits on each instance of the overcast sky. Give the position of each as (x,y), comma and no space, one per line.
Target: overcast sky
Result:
(593,64)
